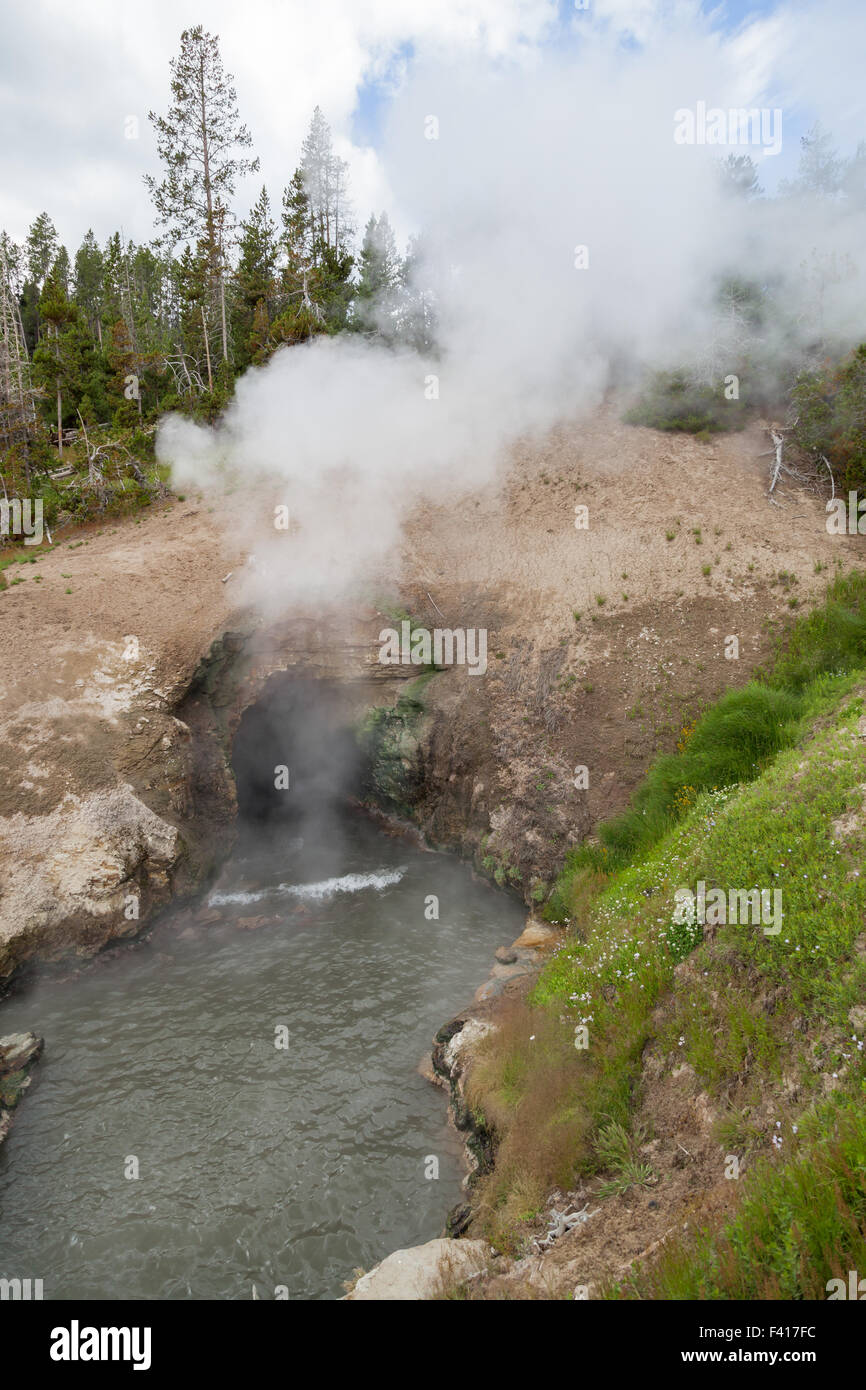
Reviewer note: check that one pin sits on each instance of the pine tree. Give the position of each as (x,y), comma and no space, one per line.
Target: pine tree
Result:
(123,361)
(88,282)
(61,269)
(41,246)
(416,319)
(194,365)
(57,359)
(136,287)
(297,237)
(255,282)
(739,175)
(325,180)
(196,141)
(12,257)
(333,287)
(820,170)
(317,234)
(375,307)
(258,345)
(114,305)
(301,316)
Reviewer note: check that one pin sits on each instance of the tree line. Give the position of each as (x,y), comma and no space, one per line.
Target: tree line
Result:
(121,332)
(105,341)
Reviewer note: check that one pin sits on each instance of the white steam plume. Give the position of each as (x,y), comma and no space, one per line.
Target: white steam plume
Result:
(533,159)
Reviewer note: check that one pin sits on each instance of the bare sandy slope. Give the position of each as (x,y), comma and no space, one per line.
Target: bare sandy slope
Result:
(604,642)
(156,577)
(521,542)
(78,700)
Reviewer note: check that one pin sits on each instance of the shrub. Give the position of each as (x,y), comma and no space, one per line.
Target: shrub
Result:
(831,417)
(671,401)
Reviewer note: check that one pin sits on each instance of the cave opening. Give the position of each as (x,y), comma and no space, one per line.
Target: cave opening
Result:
(295,754)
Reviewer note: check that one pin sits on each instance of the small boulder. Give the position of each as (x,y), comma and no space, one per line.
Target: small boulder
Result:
(423,1271)
(537,934)
(17,1051)
(464,1042)
(491,989)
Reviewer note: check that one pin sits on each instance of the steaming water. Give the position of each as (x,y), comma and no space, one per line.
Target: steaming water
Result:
(258,1167)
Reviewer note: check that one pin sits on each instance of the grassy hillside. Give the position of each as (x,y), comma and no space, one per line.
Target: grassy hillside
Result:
(765,792)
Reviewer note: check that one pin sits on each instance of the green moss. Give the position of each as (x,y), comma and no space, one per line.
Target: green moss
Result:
(11,1088)
(389,740)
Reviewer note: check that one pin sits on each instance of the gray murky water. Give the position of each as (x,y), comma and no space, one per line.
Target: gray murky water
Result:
(257,1165)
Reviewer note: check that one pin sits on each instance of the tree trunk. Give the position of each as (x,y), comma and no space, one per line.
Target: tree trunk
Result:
(213,261)
(206,351)
(223,314)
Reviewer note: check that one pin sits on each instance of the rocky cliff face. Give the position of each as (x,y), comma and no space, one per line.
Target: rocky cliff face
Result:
(125,798)
(92,812)
(19,1053)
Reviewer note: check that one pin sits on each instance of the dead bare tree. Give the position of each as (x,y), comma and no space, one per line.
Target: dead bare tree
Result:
(187,375)
(808,477)
(101,456)
(17,392)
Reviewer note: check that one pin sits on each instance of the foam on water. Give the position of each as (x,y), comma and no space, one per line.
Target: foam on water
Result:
(314,892)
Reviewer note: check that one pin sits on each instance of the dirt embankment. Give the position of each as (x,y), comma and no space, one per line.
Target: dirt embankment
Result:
(96,644)
(602,641)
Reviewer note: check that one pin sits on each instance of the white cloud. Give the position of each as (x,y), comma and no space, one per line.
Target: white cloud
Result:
(71,74)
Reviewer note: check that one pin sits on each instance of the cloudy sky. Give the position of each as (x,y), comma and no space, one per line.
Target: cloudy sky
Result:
(71,76)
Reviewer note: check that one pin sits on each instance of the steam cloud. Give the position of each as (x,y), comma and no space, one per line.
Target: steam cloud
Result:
(534,158)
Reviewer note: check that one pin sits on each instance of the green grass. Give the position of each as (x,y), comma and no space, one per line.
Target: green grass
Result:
(799,1224)
(774,775)
(731,743)
(776,832)
(738,735)
(831,638)
(618,969)
(618,1153)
